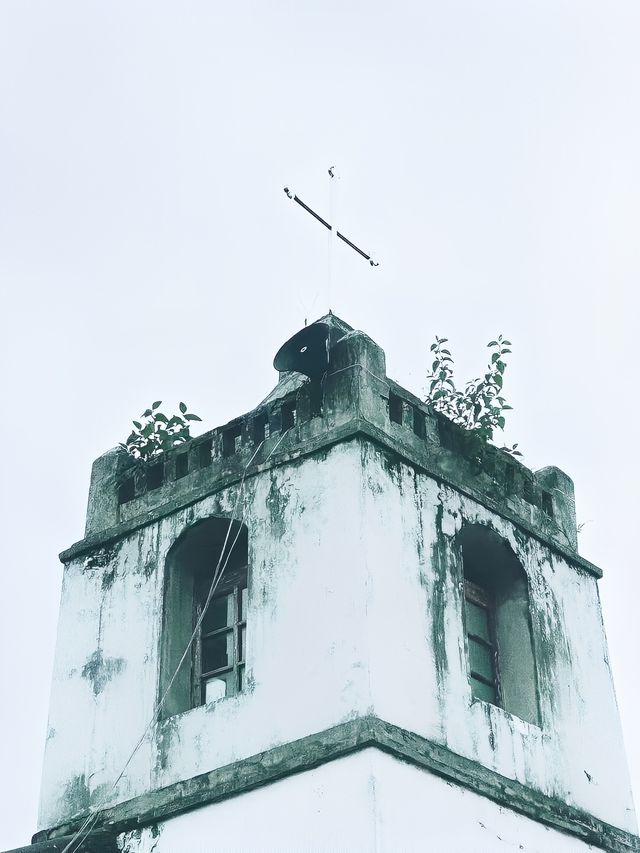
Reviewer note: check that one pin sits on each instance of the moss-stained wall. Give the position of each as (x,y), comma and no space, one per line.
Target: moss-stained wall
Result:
(355,608)
(307,658)
(414,566)
(354,619)
(390,806)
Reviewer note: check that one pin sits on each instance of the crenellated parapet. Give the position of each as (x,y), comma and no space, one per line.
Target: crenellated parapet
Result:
(351,396)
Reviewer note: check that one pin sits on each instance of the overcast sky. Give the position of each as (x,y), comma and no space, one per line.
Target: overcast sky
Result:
(489,157)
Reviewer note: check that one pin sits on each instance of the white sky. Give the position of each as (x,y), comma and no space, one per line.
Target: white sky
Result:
(489,157)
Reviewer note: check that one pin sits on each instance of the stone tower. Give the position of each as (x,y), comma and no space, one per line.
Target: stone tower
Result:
(404,650)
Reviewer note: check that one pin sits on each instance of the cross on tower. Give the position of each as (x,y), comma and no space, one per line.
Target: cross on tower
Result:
(292,195)
(331,227)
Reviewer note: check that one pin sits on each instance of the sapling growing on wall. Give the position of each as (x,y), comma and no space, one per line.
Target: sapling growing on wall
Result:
(156,433)
(480,407)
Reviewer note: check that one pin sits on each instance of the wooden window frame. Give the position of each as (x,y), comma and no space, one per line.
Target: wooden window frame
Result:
(481,597)
(234,586)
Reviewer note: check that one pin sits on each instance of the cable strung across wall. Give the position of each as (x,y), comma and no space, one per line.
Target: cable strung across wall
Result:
(87,826)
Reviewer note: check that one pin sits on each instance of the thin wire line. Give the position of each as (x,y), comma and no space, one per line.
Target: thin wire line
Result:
(91,819)
(332,240)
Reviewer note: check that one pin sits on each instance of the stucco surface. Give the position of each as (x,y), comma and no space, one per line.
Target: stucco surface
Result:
(306,643)
(354,609)
(576,754)
(390,807)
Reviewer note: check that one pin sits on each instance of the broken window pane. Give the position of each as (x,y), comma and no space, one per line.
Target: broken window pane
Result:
(217,651)
(219,614)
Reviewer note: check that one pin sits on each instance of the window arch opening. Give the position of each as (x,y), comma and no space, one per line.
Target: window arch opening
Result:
(499,643)
(214,666)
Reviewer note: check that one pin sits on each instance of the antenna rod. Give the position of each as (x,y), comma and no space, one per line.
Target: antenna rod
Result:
(291,194)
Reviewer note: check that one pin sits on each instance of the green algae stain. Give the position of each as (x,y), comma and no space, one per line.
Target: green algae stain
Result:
(99,670)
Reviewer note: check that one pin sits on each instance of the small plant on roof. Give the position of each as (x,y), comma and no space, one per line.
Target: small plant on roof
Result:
(480,407)
(156,433)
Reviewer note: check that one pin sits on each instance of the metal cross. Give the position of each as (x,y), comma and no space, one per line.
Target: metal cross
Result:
(291,194)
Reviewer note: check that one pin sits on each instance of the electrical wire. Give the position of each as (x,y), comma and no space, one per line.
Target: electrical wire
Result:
(89,822)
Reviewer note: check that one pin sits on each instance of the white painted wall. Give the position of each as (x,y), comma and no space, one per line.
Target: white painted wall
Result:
(343,599)
(307,658)
(580,725)
(390,807)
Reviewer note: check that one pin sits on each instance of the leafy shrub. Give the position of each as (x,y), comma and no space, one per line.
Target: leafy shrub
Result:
(480,407)
(156,433)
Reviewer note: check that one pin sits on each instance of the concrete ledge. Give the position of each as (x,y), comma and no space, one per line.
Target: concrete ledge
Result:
(344,739)
(356,428)
(93,842)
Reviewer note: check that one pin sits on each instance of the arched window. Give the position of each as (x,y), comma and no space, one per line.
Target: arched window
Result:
(214,667)
(500,654)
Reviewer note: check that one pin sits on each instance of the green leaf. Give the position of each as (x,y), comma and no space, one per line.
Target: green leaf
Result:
(163,418)
(183,407)
(137,424)
(495,357)
(501,422)
(501,366)
(156,404)
(432,347)
(435,365)
(147,414)
(498,380)
(507,343)
(192,418)
(492,344)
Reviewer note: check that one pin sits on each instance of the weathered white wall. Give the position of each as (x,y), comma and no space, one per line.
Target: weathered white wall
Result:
(390,806)
(354,608)
(307,659)
(415,599)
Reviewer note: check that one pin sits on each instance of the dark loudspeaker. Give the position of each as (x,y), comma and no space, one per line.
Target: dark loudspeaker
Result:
(307,351)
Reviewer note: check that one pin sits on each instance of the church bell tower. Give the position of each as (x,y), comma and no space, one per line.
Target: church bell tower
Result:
(331,625)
